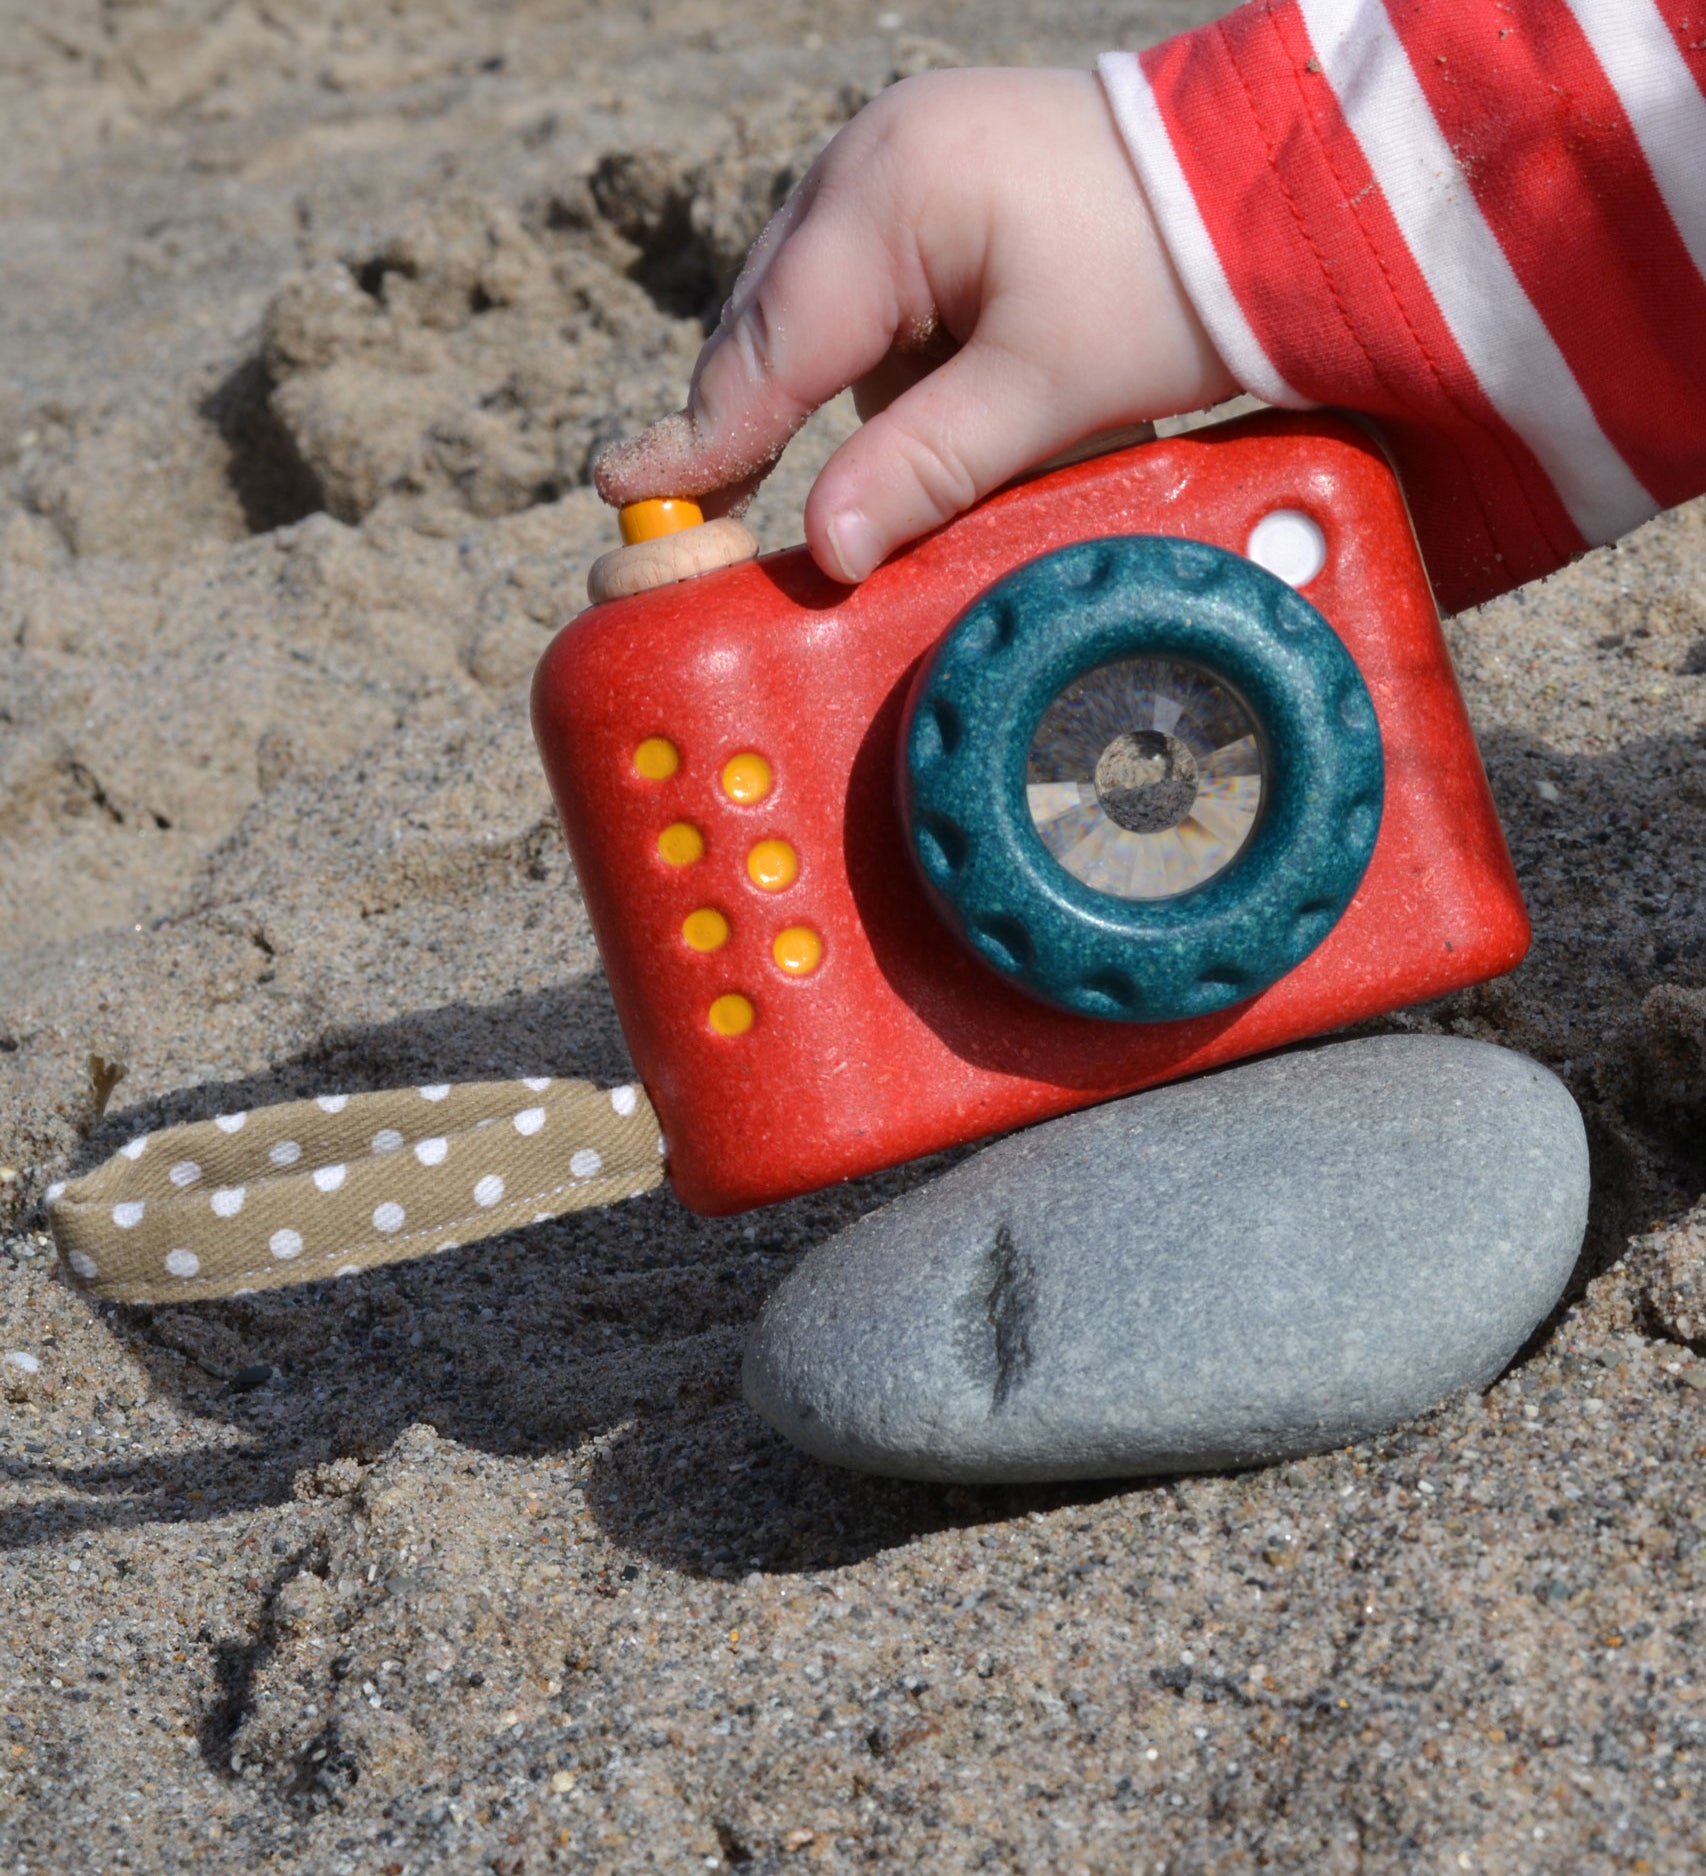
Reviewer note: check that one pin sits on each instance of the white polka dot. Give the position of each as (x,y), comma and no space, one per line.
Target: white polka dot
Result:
(128,1214)
(436,1092)
(431,1152)
(530,1120)
(585,1163)
(83,1264)
(17,1358)
(182,1263)
(228,1201)
(284,1153)
(388,1217)
(285,1243)
(329,1178)
(387,1140)
(331,1103)
(489,1190)
(185,1173)
(132,1149)
(624,1099)
(56,1191)
(230,1123)
(538,1083)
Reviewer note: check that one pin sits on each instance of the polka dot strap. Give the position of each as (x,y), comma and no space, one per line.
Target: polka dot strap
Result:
(325,1188)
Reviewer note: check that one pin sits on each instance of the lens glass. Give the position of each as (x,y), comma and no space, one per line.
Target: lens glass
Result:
(1144,777)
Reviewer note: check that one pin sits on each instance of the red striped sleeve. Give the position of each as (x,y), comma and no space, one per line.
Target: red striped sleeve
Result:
(1474,221)
(1552,158)
(1685,21)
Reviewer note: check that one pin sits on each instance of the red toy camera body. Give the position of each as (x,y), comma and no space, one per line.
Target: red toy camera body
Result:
(724,755)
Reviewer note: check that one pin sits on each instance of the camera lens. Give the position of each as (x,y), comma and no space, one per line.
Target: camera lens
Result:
(1144,777)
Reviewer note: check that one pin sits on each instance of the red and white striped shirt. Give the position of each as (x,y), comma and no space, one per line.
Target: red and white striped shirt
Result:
(1481,222)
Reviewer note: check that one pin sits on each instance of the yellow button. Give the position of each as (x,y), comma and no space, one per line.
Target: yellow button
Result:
(798,950)
(657,759)
(746,778)
(681,843)
(705,929)
(645,521)
(732,1015)
(773,864)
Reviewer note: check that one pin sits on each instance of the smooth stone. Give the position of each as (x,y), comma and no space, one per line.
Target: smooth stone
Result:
(1278,1259)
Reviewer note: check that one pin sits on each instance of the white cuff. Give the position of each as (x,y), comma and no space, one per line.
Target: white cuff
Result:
(1185,233)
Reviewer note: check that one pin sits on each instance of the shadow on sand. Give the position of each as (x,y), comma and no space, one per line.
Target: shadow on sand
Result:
(625,1327)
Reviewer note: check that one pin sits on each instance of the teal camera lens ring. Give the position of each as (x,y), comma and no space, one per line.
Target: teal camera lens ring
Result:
(1270,659)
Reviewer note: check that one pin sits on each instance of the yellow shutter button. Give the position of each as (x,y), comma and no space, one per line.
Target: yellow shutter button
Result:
(732,1015)
(650,521)
(664,541)
(706,929)
(798,950)
(681,843)
(746,778)
(772,864)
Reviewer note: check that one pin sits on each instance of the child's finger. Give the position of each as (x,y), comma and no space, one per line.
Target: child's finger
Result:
(818,309)
(974,423)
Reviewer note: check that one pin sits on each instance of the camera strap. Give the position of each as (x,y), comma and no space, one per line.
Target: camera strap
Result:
(342,1183)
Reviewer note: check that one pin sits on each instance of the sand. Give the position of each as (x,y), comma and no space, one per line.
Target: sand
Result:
(311,319)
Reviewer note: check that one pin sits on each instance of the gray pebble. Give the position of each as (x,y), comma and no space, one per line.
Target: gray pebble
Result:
(1274,1260)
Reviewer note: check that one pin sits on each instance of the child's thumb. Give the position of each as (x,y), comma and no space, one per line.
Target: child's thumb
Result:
(979,420)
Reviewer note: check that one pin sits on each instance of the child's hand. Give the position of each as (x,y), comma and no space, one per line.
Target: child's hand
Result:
(973,254)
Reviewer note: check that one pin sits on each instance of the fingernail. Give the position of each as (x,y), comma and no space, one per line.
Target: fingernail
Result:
(853,543)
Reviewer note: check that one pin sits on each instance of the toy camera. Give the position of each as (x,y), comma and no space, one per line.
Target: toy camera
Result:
(1141,766)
